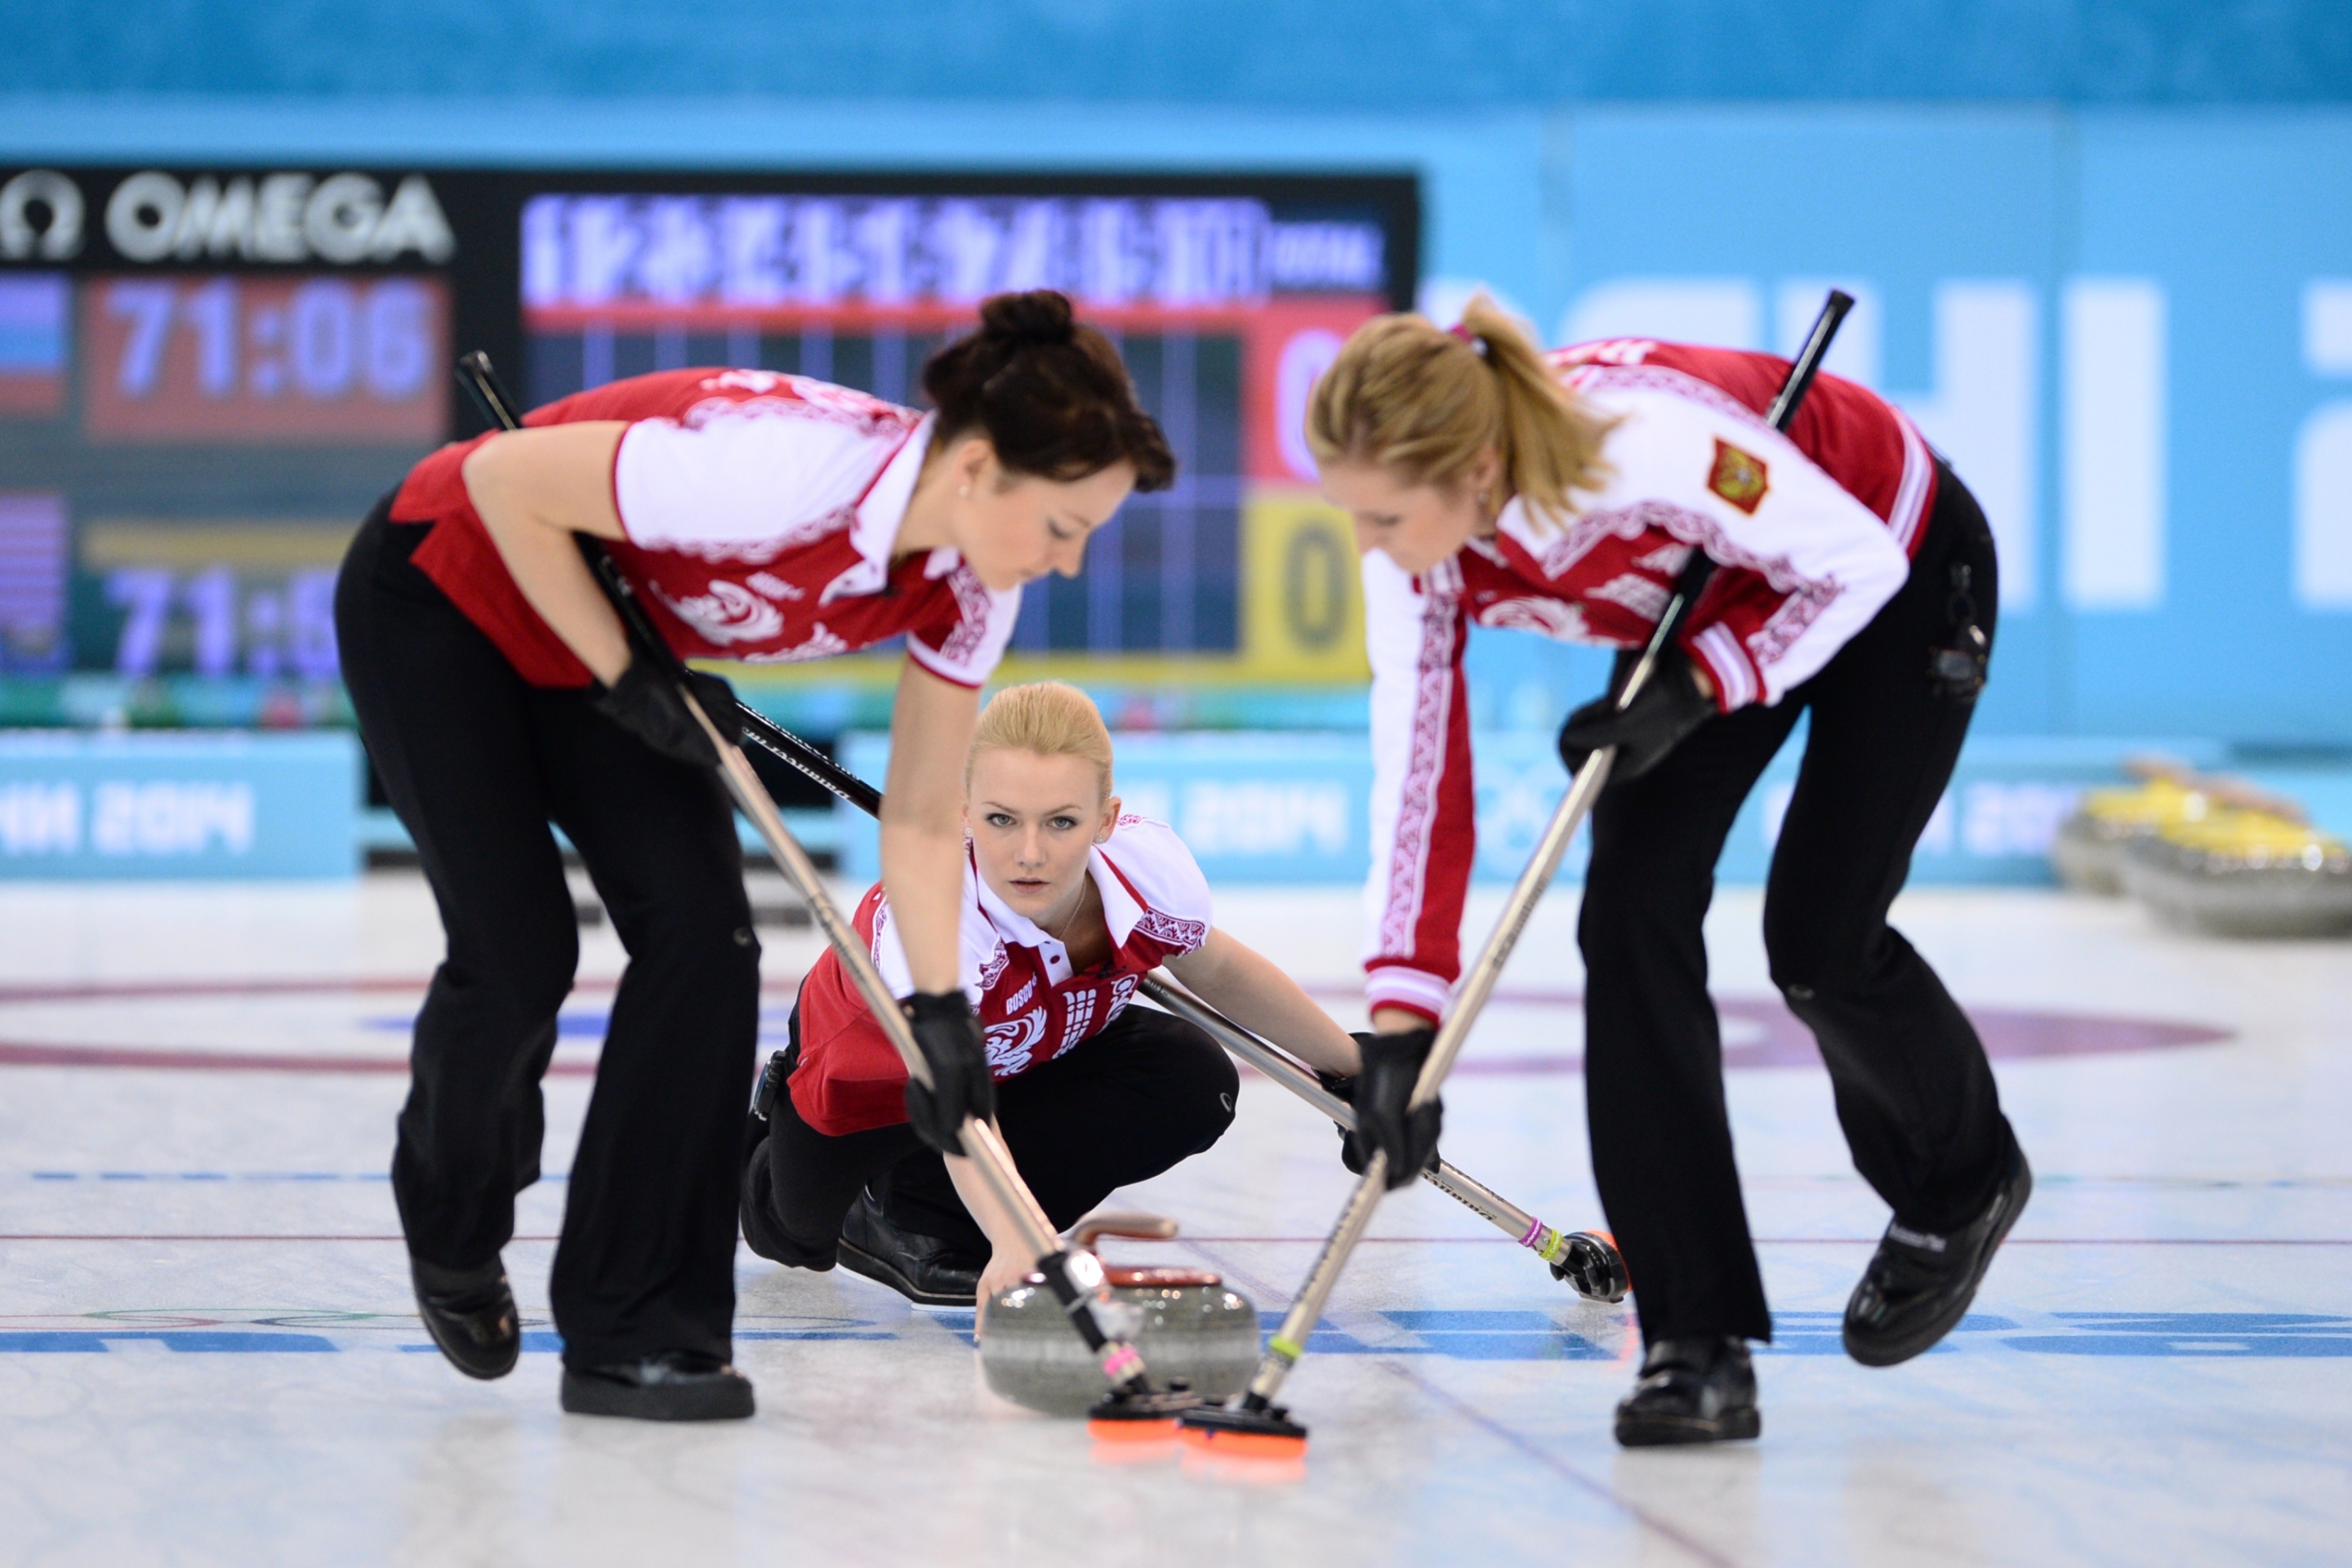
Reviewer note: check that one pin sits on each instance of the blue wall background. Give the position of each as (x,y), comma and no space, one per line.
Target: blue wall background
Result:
(1416,54)
(2105,248)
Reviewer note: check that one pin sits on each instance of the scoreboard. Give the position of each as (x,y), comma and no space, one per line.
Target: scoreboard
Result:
(264,361)
(208,375)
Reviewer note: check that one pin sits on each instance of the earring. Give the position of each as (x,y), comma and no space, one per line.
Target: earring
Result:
(964,490)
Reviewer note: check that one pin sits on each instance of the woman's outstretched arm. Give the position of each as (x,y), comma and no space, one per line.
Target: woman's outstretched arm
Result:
(1245,985)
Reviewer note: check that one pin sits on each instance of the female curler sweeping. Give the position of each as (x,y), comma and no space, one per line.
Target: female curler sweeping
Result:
(1856,582)
(757,517)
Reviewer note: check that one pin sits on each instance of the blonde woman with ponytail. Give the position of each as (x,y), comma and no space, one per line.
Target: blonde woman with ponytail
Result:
(1493,485)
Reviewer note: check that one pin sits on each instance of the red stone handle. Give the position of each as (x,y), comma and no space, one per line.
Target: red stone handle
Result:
(1141,1226)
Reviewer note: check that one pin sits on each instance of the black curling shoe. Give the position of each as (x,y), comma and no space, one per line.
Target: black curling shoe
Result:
(1691,1391)
(676,1386)
(1918,1286)
(470,1313)
(925,1269)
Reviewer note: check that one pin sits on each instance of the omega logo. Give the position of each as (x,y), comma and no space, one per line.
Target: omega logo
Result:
(40,216)
(343,218)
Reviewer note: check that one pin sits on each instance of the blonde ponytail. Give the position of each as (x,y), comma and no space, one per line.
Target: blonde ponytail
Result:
(1408,395)
(1047,719)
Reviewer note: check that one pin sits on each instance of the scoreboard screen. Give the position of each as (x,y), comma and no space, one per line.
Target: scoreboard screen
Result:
(208,375)
(264,361)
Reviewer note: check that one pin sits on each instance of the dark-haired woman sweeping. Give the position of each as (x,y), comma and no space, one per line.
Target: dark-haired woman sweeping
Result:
(759,517)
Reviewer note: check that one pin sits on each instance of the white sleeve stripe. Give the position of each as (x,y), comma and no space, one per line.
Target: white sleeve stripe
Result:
(1910,496)
(1394,984)
(1723,655)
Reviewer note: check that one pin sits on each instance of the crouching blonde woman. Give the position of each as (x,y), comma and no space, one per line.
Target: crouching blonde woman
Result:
(1068,903)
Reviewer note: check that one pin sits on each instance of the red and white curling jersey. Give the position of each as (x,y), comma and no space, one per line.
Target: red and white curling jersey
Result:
(1811,531)
(761,511)
(1031,1005)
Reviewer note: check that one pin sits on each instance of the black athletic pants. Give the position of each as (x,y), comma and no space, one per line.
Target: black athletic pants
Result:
(1913,1092)
(1147,1093)
(477,764)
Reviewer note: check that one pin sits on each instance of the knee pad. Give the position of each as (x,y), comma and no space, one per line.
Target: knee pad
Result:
(1807,959)
(1212,1109)
(720,945)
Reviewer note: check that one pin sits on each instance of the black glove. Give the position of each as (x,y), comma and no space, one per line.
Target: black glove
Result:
(1391,1066)
(1669,707)
(1341,1086)
(949,1039)
(646,703)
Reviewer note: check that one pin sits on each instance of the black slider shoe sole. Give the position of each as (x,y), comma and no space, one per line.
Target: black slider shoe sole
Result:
(677,1385)
(1918,1287)
(471,1315)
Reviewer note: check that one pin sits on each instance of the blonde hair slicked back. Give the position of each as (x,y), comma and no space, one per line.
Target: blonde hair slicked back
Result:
(1046,719)
(1406,393)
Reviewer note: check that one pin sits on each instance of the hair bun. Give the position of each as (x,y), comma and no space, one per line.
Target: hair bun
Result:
(1062,413)
(1038,316)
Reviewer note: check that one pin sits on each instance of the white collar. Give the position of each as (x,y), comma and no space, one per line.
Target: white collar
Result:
(1120,912)
(1513,522)
(882,512)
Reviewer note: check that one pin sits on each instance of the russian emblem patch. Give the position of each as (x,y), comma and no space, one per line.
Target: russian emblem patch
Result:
(1739,478)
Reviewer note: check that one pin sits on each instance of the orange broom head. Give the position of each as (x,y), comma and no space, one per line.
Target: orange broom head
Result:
(1214,1464)
(1130,1449)
(1159,1430)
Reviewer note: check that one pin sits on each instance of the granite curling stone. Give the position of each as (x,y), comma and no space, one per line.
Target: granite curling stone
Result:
(2088,853)
(1189,1325)
(2243,873)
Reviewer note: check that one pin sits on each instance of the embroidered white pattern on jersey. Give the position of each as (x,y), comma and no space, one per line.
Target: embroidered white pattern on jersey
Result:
(1555,618)
(1012,1044)
(974,600)
(1638,594)
(806,399)
(821,644)
(1425,761)
(728,613)
(1162,927)
(1082,1017)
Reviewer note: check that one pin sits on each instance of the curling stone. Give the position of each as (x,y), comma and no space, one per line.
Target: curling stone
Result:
(1186,1322)
(2243,873)
(2088,852)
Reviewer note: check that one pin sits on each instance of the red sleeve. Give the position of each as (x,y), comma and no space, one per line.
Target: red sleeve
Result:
(849,1080)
